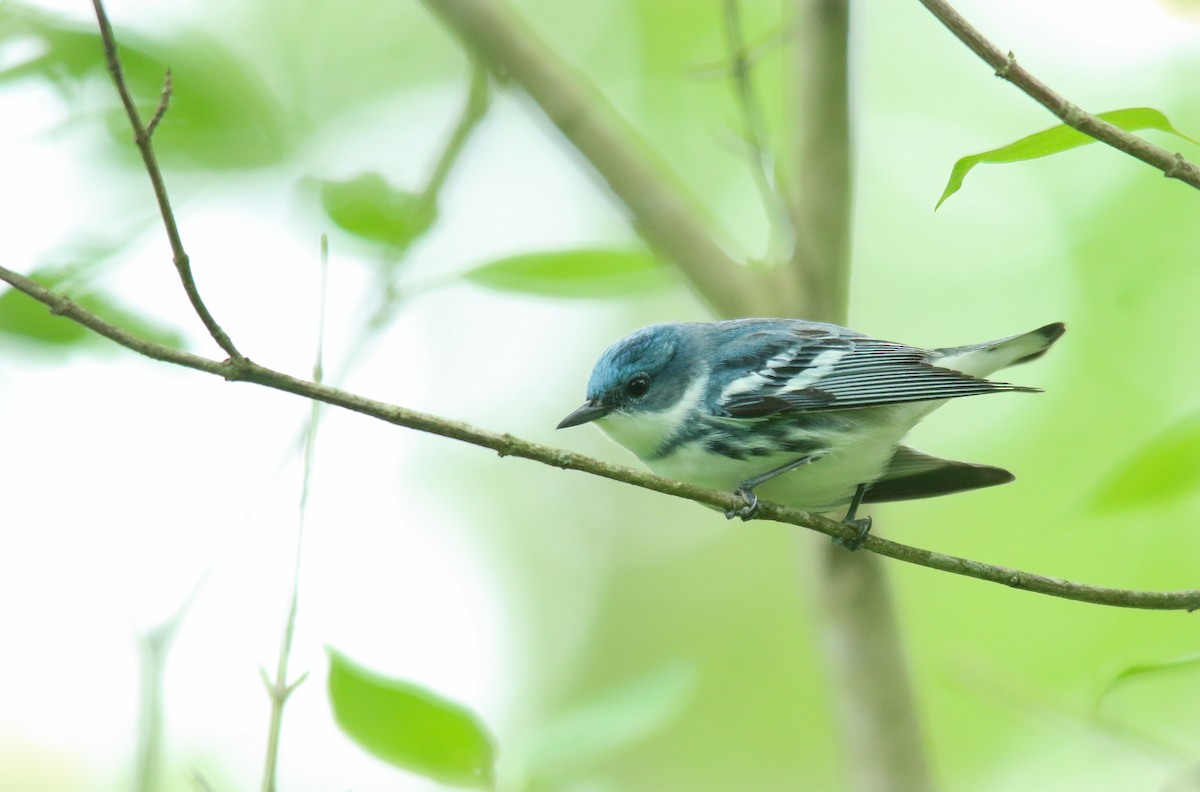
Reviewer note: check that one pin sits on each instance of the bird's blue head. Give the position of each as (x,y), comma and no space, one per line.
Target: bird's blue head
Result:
(646,371)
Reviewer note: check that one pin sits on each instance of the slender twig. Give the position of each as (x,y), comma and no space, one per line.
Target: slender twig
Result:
(1173,165)
(280,689)
(507,445)
(164,102)
(719,70)
(476,107)
(754,135)
(389,292)
(659,208)
(141,136)
(202,782)
(155,644)
(1035,706)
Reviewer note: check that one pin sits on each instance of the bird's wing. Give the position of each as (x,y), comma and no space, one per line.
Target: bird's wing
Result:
(912,474)
(814,370)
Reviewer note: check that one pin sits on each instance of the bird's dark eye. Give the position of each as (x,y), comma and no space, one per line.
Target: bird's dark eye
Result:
(639,386)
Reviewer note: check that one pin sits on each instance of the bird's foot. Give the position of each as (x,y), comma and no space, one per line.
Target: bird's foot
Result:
(748,511)
(863,524)
(746,488)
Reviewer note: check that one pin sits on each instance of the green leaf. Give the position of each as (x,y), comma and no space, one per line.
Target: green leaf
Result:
(574,273)
(617,719)
(1139,670)
(410,727)
(109,309)
(1056,140)
(24,317)
(1166,468)
(221,113)
(370,208)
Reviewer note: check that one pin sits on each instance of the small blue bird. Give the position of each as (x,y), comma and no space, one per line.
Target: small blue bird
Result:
(807,414)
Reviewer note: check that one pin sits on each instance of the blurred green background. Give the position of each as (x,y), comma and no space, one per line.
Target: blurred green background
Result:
(611,639)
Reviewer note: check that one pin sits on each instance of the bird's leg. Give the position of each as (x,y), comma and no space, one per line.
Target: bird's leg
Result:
(746,488)
(863,524)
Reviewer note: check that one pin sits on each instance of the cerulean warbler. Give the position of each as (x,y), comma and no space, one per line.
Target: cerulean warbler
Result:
(809,414)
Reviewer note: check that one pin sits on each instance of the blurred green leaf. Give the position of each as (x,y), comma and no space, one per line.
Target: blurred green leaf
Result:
(1166,468)
(1140,670)
(370,208)
(26,318)
(617,719)
(574,273)
(109,309)
(1056,140)
(410,727)
(221,113)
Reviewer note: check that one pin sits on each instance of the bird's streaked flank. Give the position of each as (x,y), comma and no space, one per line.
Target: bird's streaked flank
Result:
(807,414)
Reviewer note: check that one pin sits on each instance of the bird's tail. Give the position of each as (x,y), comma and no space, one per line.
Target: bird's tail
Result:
(912,474)
(981,360)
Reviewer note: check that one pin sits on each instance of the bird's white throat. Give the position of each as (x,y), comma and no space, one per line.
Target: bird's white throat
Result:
(644,432)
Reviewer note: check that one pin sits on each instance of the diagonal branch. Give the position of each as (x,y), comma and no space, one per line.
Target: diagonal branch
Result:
(657,205)
(244,370)
(1173,165)
(141,136)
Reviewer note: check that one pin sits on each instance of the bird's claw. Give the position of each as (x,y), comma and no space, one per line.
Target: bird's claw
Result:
(748,511)
(863,524)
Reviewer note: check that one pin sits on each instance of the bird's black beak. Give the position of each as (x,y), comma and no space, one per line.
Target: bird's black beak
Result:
(590,411)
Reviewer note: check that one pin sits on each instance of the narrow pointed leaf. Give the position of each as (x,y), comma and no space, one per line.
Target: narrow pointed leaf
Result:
(1058,139)
(1166,468)
(221,114)
(1186,663)
(574,273)
(370,208)
(411,727)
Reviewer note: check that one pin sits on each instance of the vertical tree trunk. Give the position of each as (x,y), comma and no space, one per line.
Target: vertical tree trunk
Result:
(870,688)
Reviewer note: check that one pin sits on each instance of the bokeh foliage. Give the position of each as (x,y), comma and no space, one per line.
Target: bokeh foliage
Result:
(1106,460)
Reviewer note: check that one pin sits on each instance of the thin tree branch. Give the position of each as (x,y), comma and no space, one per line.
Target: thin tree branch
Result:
(202,782)
(245,370)
(155,644)
(388,292)
(164,102)
(719,70)
(141,136)
(279,690)
(658,208)
(475,108)
(754,133)
(1172,164)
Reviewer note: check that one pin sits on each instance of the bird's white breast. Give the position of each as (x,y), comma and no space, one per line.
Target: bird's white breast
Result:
(825,484)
